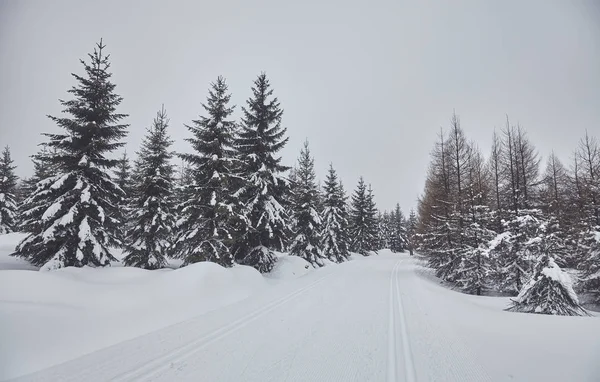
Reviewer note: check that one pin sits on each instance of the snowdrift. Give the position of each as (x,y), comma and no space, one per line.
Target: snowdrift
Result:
(8,242)
(50,317)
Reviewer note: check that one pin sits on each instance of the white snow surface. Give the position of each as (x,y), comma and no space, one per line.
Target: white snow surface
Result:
(376,318)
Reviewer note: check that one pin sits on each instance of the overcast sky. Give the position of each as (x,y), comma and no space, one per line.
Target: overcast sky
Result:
(369,83)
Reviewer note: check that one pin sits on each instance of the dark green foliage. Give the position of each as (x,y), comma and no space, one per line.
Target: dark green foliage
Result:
(363,220)
(8,191)
(263,196)
(307,227)
(549,291)
(209,209)
(334,237)
(78,206)
(148,239)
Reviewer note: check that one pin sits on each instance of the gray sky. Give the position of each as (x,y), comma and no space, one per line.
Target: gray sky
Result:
(369,83)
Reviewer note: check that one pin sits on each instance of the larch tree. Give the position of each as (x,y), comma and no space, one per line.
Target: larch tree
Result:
(8,189)
(148,240)
(208,216)
(334,237)
(306,241)
(81,225)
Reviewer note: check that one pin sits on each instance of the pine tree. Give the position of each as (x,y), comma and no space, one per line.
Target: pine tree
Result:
(264,194)
(207,218)
(8,189)
(334,237)
(549,291)
(148,239)
(80,226)
(307,227)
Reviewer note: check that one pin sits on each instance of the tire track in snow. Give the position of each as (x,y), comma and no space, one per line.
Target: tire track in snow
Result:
(167,360)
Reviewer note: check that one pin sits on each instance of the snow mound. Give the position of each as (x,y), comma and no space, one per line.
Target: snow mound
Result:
(290,267)
(51,317)
(8,242)
(355,256)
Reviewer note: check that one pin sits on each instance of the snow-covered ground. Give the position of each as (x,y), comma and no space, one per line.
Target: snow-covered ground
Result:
(380,318)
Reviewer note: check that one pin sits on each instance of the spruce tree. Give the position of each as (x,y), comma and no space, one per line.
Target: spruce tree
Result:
(590,264)
(123,178)
(549,291)
(363,220)
(8,189)
(334,237)
(35,203)
(148,239)
(123,173)
(398,230)
(264,193)
(80,225)
(411,231)
(307,228)
(371,216)
(208,217)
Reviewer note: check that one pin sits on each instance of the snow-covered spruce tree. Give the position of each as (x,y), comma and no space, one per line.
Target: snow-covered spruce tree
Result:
(515,250)
(207,218)
(548,291)
(8,188)
(306,241)
(334,237)
(411,231)
(264,193)
(148,239)
(398,230)
(123,178)
(42,169)
(37,201)
(123,174)
(80,225)
(590,265)
(184,180)
(363,220)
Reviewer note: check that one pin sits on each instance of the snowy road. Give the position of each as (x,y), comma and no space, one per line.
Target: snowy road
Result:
(367,320)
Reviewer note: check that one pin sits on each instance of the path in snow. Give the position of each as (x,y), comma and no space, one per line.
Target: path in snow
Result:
(353,322)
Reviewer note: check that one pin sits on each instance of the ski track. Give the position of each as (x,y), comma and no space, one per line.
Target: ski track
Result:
(330,325)
(179,355)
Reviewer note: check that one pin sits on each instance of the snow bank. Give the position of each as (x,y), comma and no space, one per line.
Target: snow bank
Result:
(50,317)
(8,242)
(289,267)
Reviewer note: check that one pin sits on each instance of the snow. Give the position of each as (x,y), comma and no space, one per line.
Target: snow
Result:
(52,210)
(288,267)
(554,272)
(8,242)
(375,318)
